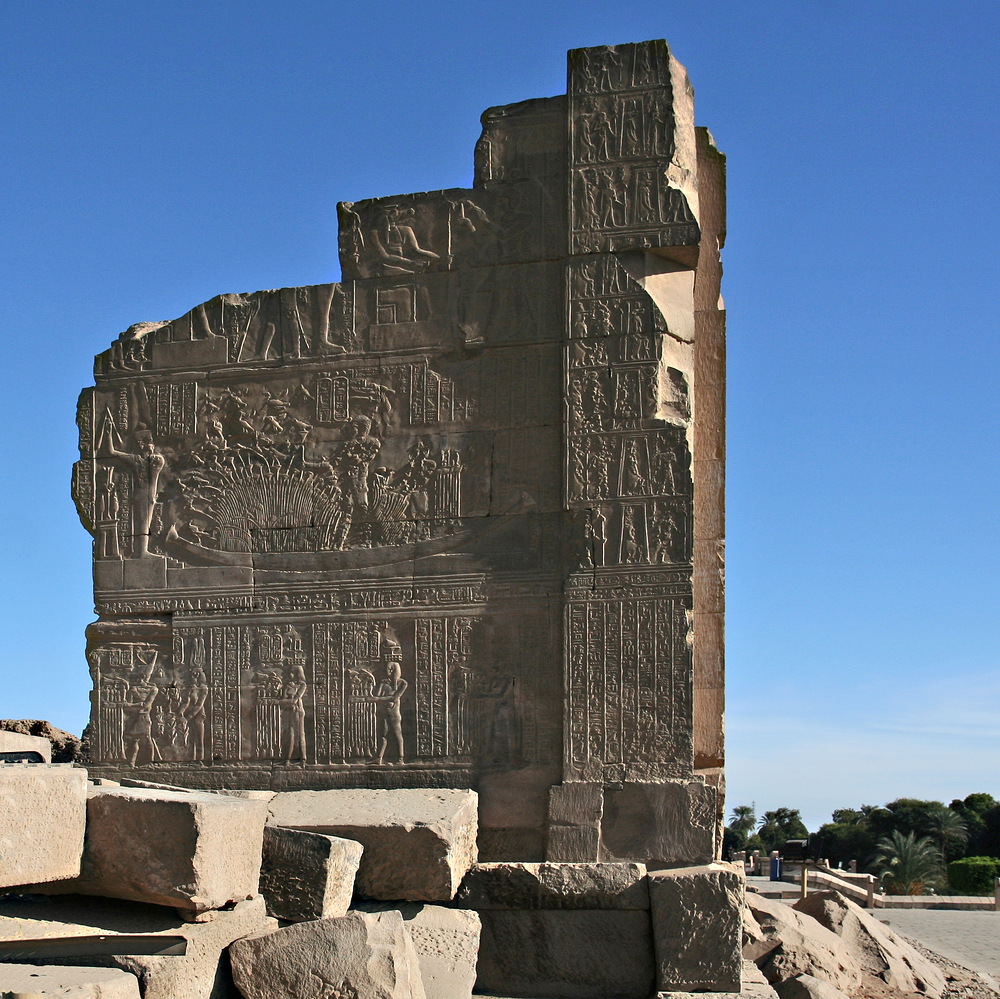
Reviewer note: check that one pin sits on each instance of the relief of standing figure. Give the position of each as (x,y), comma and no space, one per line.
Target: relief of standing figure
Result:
(388,694)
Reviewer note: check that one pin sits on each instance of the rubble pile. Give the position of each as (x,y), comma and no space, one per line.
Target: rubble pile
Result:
(142,891)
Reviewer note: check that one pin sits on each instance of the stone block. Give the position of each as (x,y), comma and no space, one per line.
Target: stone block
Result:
(574,826)
(362,954)
(307,875)
(447,945)
(697,915)
(577,954)
(200,973)
(418,842)
(661,824)
(577,803)
(189,850)
(573,844)
(554,886)
(26,981)
(15,742)
(44,808)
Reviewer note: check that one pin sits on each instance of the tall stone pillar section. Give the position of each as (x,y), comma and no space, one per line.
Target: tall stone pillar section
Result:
(641,705)
(455,521)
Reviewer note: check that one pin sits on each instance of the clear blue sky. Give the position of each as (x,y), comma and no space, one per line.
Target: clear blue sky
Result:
(155,155)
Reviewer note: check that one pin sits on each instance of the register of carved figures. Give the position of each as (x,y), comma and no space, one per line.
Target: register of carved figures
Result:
(437,524)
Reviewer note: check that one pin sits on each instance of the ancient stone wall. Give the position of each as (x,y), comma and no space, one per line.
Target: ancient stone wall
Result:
(436,525)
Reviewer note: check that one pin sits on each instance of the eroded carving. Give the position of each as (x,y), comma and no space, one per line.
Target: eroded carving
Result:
(434,520)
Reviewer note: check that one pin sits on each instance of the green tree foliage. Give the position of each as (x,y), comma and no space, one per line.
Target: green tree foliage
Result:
(947,829)
(741,824)
(981,814)
(780,825)
(973,875)
(908,864)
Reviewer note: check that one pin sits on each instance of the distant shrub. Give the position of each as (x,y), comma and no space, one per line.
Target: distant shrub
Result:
(973,875)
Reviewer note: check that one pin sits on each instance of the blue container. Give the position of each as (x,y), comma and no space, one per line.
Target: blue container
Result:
(776,868)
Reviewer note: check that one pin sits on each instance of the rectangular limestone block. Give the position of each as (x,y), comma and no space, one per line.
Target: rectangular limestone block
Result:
(447,944)
(581,954)
(697,915)
(661,824)
(44,809)
(576,803)
(418,842)
(15,742)
(306,875)
(201,972)
(186,849)
(555,886)
(573,844)
(31,980)
(363,954)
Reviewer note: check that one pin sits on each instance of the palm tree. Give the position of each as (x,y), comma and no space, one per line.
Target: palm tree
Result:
(948,828)
(743,819)
(907,865)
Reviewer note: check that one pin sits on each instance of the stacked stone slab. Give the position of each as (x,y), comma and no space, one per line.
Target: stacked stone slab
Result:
(455,521)
(561,929)
(417,844)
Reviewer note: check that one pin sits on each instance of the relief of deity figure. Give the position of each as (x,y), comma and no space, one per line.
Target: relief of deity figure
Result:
(139,712)
(397,246)
(146,465)
(387,696)
(293,724)
(195,709)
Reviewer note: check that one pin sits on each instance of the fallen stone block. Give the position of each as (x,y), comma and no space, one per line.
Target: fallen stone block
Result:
(44,809)
(807,987)
(554,886)
(30,980)
(446,942)
(577,954)
(697,915)
(368,955)
(804,946)
(189,850)
(662,824)
(878,950)
(254,794)
(199,973)
(307,875)
(418,842)
(15,742)
(574,822)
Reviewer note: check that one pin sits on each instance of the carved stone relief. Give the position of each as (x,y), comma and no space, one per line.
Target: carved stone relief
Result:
(434,522)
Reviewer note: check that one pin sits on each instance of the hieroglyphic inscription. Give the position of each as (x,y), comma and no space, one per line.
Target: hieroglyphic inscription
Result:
(622,127)
(628,676)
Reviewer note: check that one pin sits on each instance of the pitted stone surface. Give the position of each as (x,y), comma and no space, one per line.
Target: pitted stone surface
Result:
(306,875)
(447,944)
(418,844)
(368,955)
(44,813)
(555,886)
(697,915)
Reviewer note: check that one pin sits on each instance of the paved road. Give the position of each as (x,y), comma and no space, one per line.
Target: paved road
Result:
(969,938)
